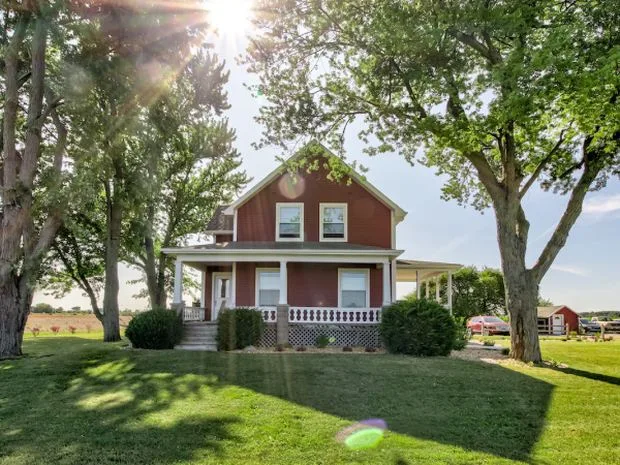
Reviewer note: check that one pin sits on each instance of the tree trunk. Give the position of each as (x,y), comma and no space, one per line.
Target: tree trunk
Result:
(520,283)
(111,326)
(12,321)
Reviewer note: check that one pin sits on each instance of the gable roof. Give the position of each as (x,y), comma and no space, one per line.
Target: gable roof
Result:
(546,312)
(399,213)
(220,221)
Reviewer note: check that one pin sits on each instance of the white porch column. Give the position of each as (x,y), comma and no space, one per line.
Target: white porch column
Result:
(427,289)
(203,280)
(450,291)
(233,286)
(393,276)
(387,298)
(437,297)
(418,290)
(178,282)
(283,284)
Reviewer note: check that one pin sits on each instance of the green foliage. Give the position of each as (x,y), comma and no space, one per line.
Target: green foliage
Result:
(462,335)
(42,307)
(155,329)
(238,328)
(418,327)
(487,342)
(322,341)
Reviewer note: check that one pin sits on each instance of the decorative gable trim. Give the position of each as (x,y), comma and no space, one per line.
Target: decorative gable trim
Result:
(399,213)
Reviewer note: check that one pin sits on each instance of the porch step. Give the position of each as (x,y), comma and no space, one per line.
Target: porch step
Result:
(204,347)
(198,336)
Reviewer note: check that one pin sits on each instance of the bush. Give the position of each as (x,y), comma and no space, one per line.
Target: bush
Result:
(55,329)
(155,329)
(418,327)
(322,341)
(72,329)
(238,328)
(35,331)
(462,334)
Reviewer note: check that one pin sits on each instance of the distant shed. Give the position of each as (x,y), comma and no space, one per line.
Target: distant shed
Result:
(553,320)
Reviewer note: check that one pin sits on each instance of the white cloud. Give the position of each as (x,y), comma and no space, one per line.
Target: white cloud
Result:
(571,269)
(602,204)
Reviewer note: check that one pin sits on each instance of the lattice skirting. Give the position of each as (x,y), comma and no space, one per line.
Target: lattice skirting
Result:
(344,335)
(268,338)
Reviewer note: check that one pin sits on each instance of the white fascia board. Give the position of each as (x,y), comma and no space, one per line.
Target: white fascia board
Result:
(399,213)
(278,252)
(378,259)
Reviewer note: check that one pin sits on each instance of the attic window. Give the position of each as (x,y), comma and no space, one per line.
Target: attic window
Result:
(333,222)
(289,221)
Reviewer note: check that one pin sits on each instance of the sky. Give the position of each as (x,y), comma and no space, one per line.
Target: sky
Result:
(584,275)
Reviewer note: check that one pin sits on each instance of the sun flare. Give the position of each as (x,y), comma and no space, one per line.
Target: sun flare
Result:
(232,18)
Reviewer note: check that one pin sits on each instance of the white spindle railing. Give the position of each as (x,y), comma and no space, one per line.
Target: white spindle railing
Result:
(270,314)
(193,314)
(334,315)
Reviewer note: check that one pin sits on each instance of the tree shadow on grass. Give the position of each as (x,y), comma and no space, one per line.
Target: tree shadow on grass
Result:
(100,404)
(94,408)
(589,375)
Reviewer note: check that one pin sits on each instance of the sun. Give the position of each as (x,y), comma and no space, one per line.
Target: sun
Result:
(229,19)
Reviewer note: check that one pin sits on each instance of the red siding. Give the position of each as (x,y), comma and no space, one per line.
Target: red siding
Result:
(309,284)
(570,317)
(369,220)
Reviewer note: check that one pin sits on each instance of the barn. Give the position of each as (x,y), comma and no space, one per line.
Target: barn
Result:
(553,320)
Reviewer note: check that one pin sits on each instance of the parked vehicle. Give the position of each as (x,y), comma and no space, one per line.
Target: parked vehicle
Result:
(487,324)
(587,326)
(608,324)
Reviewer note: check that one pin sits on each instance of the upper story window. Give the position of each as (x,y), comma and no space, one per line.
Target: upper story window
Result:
(333,222)
(289,221)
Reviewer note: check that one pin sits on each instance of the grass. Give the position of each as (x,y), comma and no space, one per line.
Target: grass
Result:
(74,400)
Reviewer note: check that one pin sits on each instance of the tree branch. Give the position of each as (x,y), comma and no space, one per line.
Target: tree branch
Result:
(490,53)
(541,166)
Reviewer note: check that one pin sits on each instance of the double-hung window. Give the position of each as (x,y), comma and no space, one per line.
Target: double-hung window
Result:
(289,221)
(333,222)
(267,287)
(353,288)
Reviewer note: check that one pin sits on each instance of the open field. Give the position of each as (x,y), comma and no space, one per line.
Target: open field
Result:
(84,323)
(73,400)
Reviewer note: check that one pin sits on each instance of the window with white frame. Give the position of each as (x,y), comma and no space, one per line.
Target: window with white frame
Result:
(267,287)
(333,222)
(290,221)
(353,288)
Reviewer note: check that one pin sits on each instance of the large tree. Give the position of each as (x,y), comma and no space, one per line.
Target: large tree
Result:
(33,137)
(192,167)
(498,96)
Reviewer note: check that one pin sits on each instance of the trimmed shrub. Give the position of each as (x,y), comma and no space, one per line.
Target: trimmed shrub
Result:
(322,341)
(155,329)
(418,327)
(238,328)
(463,335)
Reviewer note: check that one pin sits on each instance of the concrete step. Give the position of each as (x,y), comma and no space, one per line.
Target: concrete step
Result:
(198,340)
(206,332)
(203,347)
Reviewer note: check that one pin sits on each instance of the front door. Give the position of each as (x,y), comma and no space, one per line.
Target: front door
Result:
(558,324)
(221,292)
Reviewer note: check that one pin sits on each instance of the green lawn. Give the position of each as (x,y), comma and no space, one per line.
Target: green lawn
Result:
(74,400)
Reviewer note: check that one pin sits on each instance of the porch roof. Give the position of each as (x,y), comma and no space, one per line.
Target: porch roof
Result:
(275,248)
(414,270)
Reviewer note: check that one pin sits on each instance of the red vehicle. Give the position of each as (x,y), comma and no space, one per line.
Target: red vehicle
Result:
(486,324)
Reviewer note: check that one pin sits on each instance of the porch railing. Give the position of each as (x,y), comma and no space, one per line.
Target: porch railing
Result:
(193,314)
(334,315)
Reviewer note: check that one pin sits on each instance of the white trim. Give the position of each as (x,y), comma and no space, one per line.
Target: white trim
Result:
(256,281)
(281,252)
(203,290)
(300,205)
(328,258)
(233,286)
(283,297)
(235,226)
(393,278)
(214,276)
(345,207)
(400,213)
(385,284)
(178,281)
(366,271)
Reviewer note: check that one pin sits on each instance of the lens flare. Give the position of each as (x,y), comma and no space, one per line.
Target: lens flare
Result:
(363,435)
